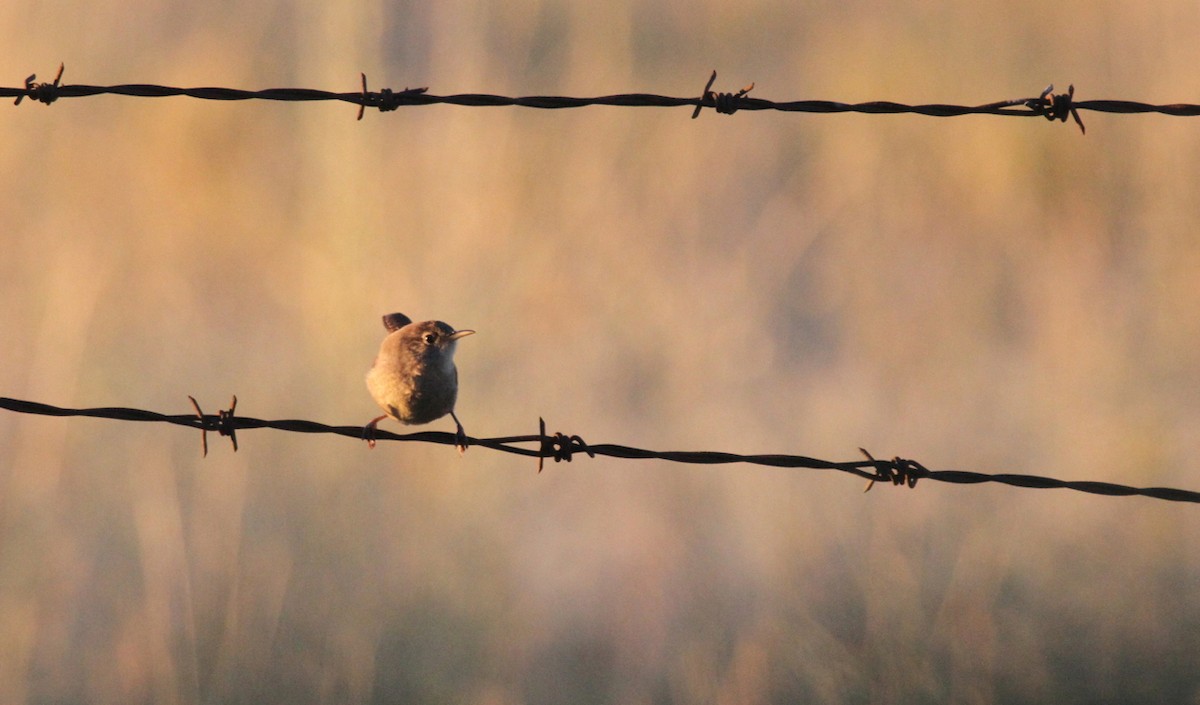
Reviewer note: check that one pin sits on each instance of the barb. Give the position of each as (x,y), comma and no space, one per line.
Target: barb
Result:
(1047,105)
(1057,107)
(899,471)
(41,92)
(386,100)
(724,103)
(560,447)
(223,424)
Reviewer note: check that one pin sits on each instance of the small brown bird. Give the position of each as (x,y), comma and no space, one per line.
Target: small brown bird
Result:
(414,378)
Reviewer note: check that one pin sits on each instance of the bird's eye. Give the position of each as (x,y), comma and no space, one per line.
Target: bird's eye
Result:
(430,338)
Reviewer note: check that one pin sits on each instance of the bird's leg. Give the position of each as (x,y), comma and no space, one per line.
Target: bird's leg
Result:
(460,435)
(369,431)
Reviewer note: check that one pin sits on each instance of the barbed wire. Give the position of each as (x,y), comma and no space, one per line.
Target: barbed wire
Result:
(561,447)
(1047,104)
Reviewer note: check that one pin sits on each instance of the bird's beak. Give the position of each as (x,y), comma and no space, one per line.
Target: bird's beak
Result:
(461,334)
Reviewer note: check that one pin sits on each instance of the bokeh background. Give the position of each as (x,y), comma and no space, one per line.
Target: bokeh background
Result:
(978,293)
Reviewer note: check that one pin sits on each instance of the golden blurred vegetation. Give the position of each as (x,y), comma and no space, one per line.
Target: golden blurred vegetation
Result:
(978,293)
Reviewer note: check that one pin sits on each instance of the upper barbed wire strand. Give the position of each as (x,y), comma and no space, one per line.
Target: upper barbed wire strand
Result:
(561,447)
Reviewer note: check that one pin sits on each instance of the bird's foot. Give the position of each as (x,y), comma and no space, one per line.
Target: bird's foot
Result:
(460,435)
(368,433)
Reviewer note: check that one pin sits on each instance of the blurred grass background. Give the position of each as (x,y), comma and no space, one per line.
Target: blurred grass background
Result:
(978,293)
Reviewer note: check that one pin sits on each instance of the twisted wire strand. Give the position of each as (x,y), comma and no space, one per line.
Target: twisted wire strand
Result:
(561,447)
(1048,105)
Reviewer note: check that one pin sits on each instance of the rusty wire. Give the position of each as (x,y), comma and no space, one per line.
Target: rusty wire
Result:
(1047,104)
(562,447)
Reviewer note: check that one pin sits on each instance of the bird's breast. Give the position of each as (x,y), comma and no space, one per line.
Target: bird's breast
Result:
(417,395)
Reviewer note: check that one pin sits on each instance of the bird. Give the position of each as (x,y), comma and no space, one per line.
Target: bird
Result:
(414,378)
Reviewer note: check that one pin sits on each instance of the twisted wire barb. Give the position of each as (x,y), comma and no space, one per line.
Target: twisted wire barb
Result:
(1048,105)
(561,447)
